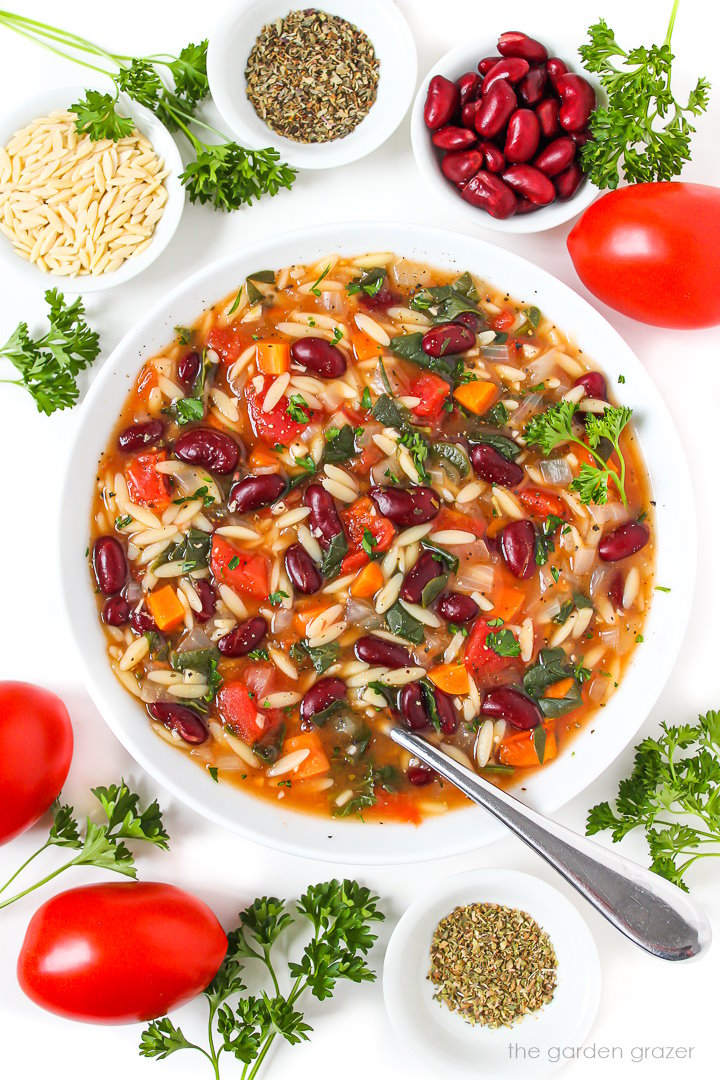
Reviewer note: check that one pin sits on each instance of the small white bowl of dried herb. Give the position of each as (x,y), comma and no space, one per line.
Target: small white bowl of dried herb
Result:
(486,960)
(324,87)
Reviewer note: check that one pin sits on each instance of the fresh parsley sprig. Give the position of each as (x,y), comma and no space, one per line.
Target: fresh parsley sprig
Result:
(103,845)
(643,133)
(245,1027)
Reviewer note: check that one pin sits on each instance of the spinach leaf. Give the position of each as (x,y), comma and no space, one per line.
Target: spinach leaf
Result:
(341,446)
(443,556)
(428,689)
(501,443)
(363,797)
(268,746)
(320,656)
(551,668)
(433,589)
(371,282)
(401,622)
(497,416)
(390,693)
(539,738)
(390,413)
(333,557)
(194,660)
(193,551)
(266,277)
(408,347)
(321,718)
(452,457)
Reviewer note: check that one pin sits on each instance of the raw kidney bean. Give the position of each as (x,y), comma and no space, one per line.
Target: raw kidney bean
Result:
(504,703)
(581,137)
(495,110)
(494,157)
(425,569)
(556,156)
(448,339)
(406,506)
(461,165)
(473,320)
(490,193)
(623,541)
(616,590)
(515,43)
(319,356)
(244,638)
(555,67)
(517,546)
(109,564)
(453,138)
(254,492)
(420,775)
(210,449)
(490,465)
(523,136)
(530,183)
(321,696)
(301,570)
(179,718)
(324,519)
(468,113)
(468,87)
(513,69)
(524,206)
(140,436)
(446,712)
(441,102)
(577,101)
(188,370)
(142,621)
(567,183)
(377,651)
(206,595)
(531,88)
(412,707)
(116,611)
(457,607)
(594,384)
(547,113)
(488,63)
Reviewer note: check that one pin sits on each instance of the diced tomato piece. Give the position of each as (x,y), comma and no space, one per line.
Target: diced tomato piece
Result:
(275,426)
(542,503)
(480,659)
(242,572)
(227,343)
(503,321)
(146,485)
(239,711)
(146,380)
(354,561)
(453,519)
(432,391)
(260,679)
(358,517)
(364,462)
(394,806)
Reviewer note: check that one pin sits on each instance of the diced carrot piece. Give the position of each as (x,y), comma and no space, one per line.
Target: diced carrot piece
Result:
(315,763)
(146,380)
(273,357)
(165,608)
(542,503)
(508,601)
(476,397)
(560,689)
(302,618)
(519,749)
(364,346)
(452,678)
(495,526)
(261,458)
(368,581)
(394,806)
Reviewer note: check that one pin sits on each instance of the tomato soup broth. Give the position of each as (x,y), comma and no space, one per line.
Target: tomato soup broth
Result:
(368,490)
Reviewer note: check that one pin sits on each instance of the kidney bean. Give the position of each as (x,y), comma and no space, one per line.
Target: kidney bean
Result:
(210,449)
(441,102)
(567,183)
(490,193)
(531,88)
(244,638)
(524,206)
(488,63)
(623,541)
(616,590)
(594,384)
(412,706)
(406,506)
(517,546)
(556,156)
(321,696)
(446,712)
(377,651)
(324,519)
(453,138)
(530,183)
(179,718)
(425,569)
(505,703)
(490,465)
(515,43)
(140,436)
(581,137)
(577,101)
(555,67)
(457,607)
(188,369)
(468,113)
(461,165)
(319,356)
(206,595)
(109,564)
(420,775)
(496,108)
(547,113)
(116,611)
(448,339)
(513,69)
(301,570)
(523,136)
(473,320)
(142,621)
(254,492)
(468,87)
(494,157)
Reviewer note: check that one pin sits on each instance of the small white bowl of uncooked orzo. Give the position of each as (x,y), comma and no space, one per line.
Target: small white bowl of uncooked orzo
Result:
(84,215)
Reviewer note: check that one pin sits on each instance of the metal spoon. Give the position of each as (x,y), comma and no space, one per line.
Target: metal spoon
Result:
(652,912)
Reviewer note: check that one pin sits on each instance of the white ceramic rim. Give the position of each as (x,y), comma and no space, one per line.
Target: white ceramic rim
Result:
(595,746)
(442,1037)
(387,29)
(163,143)
(452,65)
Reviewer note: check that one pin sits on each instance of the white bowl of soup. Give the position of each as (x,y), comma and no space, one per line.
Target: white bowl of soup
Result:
(361,474)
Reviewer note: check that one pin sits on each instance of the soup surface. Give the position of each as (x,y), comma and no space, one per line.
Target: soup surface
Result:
(368,490)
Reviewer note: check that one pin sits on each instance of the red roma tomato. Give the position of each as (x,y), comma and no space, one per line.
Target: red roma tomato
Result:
(36,746)
(119,953)
(652,251)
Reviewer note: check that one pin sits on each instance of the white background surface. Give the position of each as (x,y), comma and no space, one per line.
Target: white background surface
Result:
(644,1003)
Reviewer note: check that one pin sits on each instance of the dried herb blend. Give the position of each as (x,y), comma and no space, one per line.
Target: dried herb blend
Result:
(311,76)
(493,964)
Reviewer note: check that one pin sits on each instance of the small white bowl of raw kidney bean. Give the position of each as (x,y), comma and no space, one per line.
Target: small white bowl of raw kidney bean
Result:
(498,133)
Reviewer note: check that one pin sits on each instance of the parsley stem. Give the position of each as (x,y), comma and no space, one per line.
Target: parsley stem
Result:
(37,885)
(671,27)
(7,19)
(27,862)
(213,1055)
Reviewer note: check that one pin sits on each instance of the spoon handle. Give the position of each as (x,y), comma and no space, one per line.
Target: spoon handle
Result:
(652,912)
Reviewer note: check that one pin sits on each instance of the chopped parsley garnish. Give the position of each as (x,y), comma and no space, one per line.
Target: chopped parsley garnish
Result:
(503,642)
(371,282)
(296,409)
(276,598)
(366,400)
(368,542)
(234,563)
(314,288)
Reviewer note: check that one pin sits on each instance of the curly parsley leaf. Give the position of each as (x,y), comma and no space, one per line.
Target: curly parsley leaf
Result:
(229,176)
(97,116)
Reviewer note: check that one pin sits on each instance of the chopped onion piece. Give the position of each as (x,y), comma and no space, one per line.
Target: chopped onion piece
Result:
(555,471)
